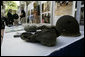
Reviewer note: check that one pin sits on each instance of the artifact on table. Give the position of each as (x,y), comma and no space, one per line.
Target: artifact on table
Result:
(68,26)
(47,36)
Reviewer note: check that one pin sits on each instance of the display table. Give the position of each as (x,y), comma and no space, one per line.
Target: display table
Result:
(17,47)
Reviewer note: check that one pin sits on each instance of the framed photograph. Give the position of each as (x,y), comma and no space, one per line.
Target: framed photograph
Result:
(46,18)
(63,8)
(46,6)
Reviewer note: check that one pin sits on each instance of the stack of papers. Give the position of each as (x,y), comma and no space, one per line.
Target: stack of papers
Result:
(14,29)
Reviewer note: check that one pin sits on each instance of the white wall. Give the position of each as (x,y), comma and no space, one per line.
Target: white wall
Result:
(55,19)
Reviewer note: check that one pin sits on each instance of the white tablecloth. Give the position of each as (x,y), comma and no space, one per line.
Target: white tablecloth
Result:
(17,47)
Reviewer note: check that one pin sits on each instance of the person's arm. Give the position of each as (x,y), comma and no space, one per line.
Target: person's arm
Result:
(2,28)
(2,33)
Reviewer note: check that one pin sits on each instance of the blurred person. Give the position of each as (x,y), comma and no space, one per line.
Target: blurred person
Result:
(36,12)
(31,17)
(15,17)
(10,17)
(36,16)
(22,16)
(2,27)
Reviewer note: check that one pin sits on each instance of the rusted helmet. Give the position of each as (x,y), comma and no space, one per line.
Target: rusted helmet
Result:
(68,26)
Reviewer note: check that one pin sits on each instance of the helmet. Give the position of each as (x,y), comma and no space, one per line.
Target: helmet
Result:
(68,26)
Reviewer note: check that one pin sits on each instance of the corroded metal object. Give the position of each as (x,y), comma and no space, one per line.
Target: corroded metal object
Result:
(30,28)
(28,36)
(47,36)
(43,27)
(68,26)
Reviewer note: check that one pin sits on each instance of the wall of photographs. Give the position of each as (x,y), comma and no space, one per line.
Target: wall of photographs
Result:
(48,12)
(39,12)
